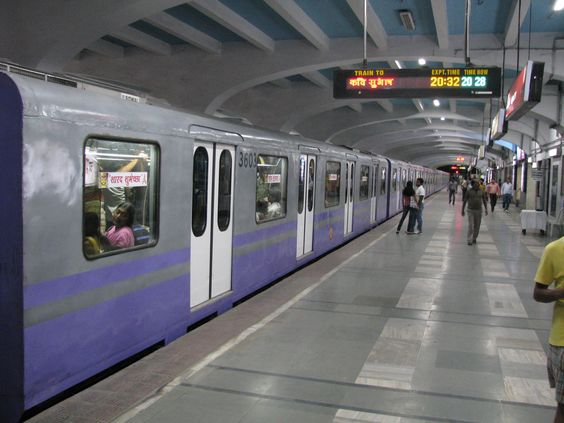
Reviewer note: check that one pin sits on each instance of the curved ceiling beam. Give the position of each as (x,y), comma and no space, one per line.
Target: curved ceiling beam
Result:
(421,147)
(296,118)
(421,115)
(213,80)
(45,43)
(343,53)
(416,155)
(513,24)
(295,16)
(374,26)
(380,147)
(407,136)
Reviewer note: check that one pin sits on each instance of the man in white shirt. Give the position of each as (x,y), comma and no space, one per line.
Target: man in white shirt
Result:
(506,192)
(420,198)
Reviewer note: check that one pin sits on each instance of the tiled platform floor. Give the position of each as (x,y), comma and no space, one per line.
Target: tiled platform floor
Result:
(390,328)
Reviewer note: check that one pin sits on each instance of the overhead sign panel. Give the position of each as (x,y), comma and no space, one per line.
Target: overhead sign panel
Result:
(526,90)
(417,83)
(499,125)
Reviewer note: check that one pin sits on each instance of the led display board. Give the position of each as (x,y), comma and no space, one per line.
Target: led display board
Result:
(525,92)
(417,83)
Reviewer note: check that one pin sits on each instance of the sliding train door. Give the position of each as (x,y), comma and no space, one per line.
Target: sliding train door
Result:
(212,221)
(373,195)
(553,194)
(306,204)
(349,197)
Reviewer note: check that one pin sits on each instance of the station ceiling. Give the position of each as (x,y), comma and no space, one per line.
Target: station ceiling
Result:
(271,62)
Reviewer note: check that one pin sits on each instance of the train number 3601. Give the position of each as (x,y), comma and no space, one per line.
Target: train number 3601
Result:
(247,159)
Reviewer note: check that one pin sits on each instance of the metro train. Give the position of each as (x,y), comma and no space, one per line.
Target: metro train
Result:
(218,211)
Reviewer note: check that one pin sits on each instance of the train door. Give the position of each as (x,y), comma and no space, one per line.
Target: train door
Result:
(396,184)
(349,197)
(554,188)
(373,194)
(306,204)
(382,192)
(212,218)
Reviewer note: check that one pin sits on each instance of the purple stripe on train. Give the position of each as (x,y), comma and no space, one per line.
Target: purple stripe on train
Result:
(64,351)
(56,289)
(251,271)
(262,233)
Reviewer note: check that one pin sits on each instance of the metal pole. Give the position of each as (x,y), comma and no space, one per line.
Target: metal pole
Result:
(467,32)
(365,61)
(518,35)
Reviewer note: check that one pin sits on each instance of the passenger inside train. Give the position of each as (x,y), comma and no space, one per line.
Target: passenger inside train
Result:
(119,174)
(94,242)
(121,235)
(271,188)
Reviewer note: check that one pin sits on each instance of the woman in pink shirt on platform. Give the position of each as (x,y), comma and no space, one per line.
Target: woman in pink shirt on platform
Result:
(121,235)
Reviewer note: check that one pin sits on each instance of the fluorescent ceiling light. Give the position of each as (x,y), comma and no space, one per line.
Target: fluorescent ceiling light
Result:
(436,102)
(422,61)
(558,5)
(442,118)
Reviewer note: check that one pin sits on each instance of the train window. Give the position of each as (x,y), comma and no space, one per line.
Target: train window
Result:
(553,188)
(364,182)
(271,188)
(332,184)
(375,179)
(395,180)
(200,191)
(224,191)
(562,179)
(120,194)
(351,198)
(310,184)
(383,182)
(346,184)
(403,177)
(301,184)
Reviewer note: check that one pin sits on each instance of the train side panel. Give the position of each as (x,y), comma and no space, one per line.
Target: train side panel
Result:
(71,315)
(263,250)
(11,252)
(82,316)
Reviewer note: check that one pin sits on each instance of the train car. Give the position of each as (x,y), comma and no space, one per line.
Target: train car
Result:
(128,223)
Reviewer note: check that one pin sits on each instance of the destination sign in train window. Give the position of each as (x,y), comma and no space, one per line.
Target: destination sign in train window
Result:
(417,83)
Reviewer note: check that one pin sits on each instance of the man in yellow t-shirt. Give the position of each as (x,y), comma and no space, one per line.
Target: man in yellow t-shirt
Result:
(551,270)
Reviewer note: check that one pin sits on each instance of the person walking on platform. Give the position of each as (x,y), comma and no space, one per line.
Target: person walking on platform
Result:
(482,185)
(493,191)
(551,271)
(452,189)
(464,188)
(506,192)
(474,197)
(407,198)
(420,199)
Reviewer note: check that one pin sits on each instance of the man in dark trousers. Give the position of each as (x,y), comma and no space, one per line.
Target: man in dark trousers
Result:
(474,197)
(452,188)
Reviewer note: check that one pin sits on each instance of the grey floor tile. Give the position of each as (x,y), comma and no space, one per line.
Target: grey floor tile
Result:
(283,412)
(413,329)
(468,361)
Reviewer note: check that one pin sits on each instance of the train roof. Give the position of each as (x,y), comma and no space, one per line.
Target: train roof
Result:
(57,100)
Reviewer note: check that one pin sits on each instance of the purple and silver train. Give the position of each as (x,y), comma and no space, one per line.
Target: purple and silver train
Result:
(218,210)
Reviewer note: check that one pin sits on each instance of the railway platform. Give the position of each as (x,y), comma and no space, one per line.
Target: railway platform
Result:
(388,328)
